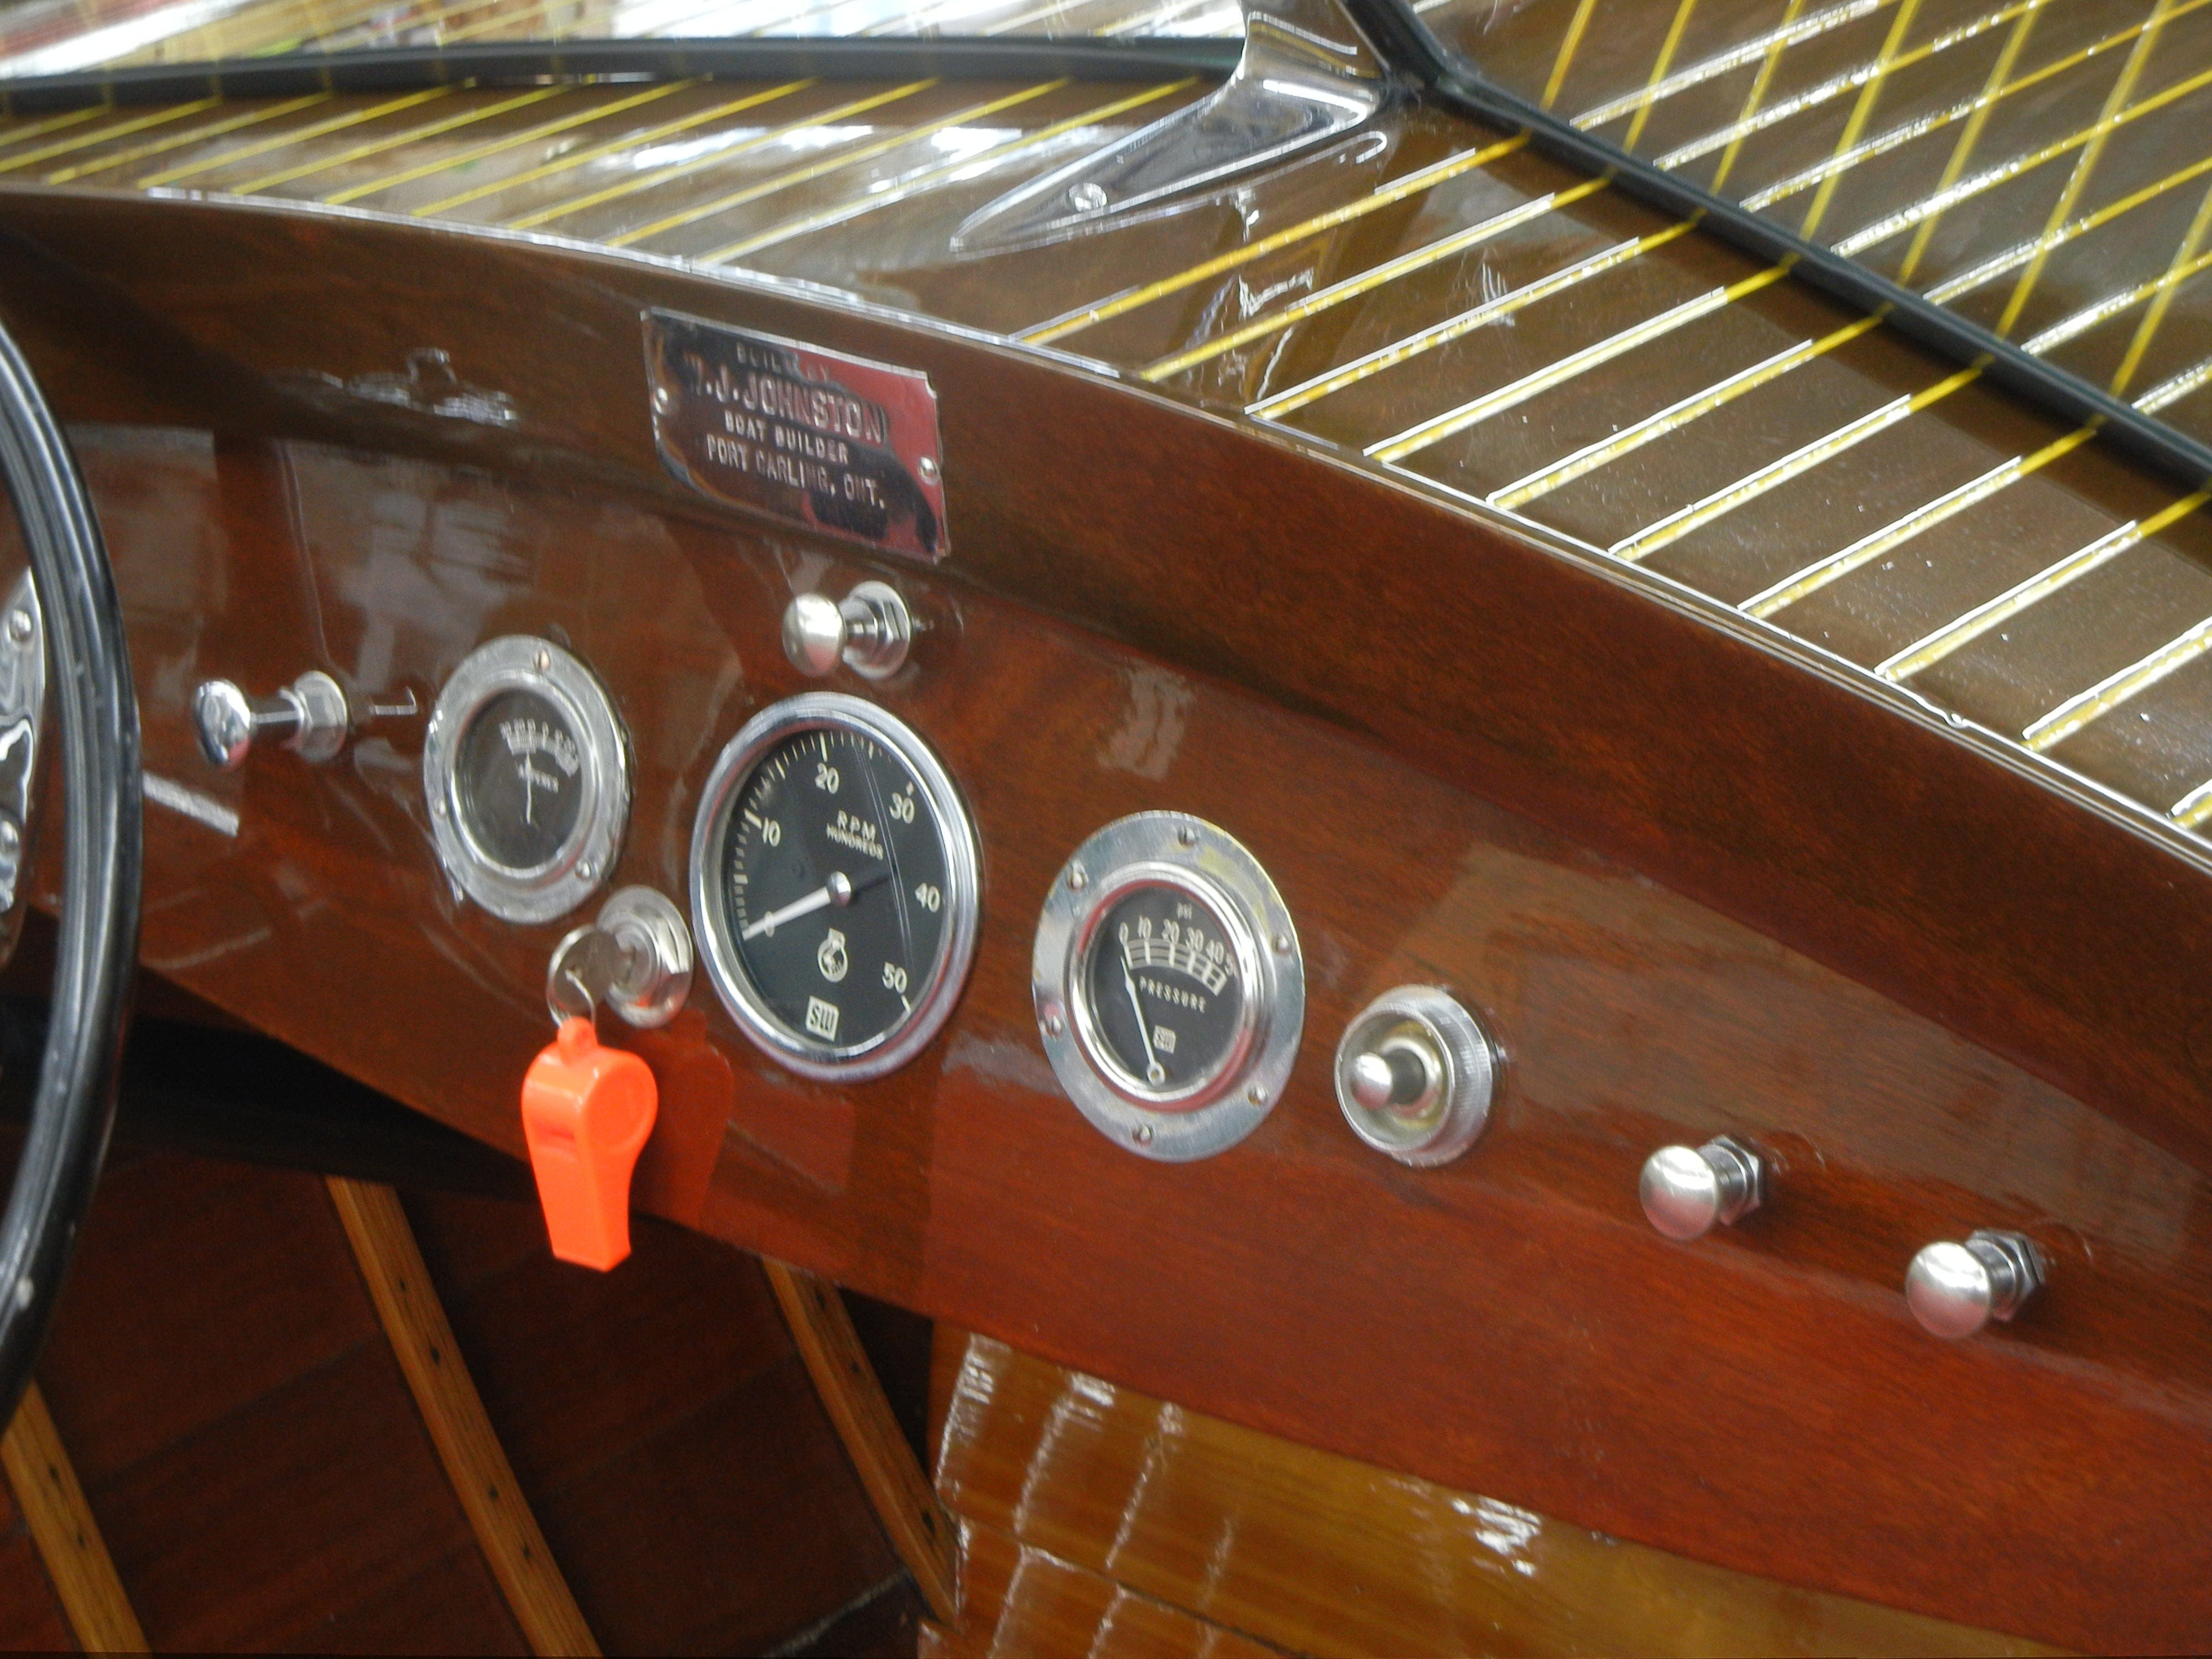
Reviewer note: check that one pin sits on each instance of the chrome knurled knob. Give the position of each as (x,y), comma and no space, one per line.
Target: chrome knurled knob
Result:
(308,717)
(1688,1190)
(1954,1290)
(870,631)
(1415,1073)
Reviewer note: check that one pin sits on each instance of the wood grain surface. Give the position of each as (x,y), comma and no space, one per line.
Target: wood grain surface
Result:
(1312,1553)
(1727,895)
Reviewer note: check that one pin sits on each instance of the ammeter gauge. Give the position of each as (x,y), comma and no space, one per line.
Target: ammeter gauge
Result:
(1169,990)
(527,775)
(834,881)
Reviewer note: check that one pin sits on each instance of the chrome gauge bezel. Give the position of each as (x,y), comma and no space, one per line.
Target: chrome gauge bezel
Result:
(1185,853)
(519,662)
(710,919)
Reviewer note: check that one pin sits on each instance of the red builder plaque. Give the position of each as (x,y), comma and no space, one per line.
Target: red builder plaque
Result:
(812,437)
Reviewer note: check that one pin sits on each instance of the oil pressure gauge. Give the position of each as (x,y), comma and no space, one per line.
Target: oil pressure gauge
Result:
(1169,990)
(834,879)
(527,775)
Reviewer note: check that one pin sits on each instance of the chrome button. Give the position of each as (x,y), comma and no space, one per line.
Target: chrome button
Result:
(1954,1290)
(869,632)
(1688,1190)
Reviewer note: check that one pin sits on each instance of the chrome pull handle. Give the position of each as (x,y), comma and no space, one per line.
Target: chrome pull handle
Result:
(309,717)
(870,631)
(1954,1290)
(1687,1191)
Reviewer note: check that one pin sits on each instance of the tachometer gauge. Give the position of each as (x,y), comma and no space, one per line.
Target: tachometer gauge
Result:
(528,779)
(1169,990)
(834,878)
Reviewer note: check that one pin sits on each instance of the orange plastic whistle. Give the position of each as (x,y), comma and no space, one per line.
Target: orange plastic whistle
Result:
(585,1113)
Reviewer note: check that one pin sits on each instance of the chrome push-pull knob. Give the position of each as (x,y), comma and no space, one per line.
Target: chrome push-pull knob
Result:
(636,958)
(1415,1073)
(308,717)
(1954,1290)
(1689,1190)
(870,631)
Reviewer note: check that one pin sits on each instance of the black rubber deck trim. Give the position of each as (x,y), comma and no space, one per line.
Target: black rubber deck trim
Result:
(403,68)
(1406,44)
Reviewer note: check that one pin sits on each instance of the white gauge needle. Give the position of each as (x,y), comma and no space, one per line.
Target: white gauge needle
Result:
(1154,1072)
(835,891)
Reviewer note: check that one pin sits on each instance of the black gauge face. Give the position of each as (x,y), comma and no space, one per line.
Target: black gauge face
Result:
(833,869)
(1164,992)
(521,775)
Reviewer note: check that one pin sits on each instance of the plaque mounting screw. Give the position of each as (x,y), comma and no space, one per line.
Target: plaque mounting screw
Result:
(928,467)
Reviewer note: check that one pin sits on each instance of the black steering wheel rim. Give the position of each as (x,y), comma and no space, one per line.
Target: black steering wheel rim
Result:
(89,676)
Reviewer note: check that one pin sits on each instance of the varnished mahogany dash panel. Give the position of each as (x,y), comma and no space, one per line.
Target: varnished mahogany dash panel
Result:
(1508,1324)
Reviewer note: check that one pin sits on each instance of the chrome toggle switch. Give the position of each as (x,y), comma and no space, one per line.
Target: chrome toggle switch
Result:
(869,632)
(308,717)
(636,958)
(1954,1290)
(1415,1073)
(1686,1190)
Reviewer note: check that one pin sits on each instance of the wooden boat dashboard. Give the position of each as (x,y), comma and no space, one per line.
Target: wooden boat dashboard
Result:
(1696,880)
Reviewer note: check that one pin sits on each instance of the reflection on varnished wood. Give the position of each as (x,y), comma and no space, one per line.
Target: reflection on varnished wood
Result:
(1541,1343)
(1080,1501)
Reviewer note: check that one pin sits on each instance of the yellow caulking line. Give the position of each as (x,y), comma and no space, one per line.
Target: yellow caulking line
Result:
(2173,391)
(1967,281)
(1570,43)
(1907,131)
(1675,416)
(121,129)
(1932,648)
(613,147)
(2108,694)
(1752,100)
(54,123)
(314,130)
(1862,112)
(1397,191)
(647,180)
(393,141)
(1437,427)
(2001,71)
(1481,409)
(176,140)
(1734,58)
(2193,808)
(1755,120)
(497,146)
(2148,329)
(2088,318)
(2085,164)
(834,164)
(1466,322)
(906,188)
(1679,523)
(1816,576)
(1942,200)
(1388,270)
(1659,65)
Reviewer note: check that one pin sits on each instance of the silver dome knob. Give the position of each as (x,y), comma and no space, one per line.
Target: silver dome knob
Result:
(1688,1190)
(869,631)
(309,717)
(1954,1290)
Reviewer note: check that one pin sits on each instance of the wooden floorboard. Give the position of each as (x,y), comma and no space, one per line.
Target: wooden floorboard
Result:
(257,1463)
